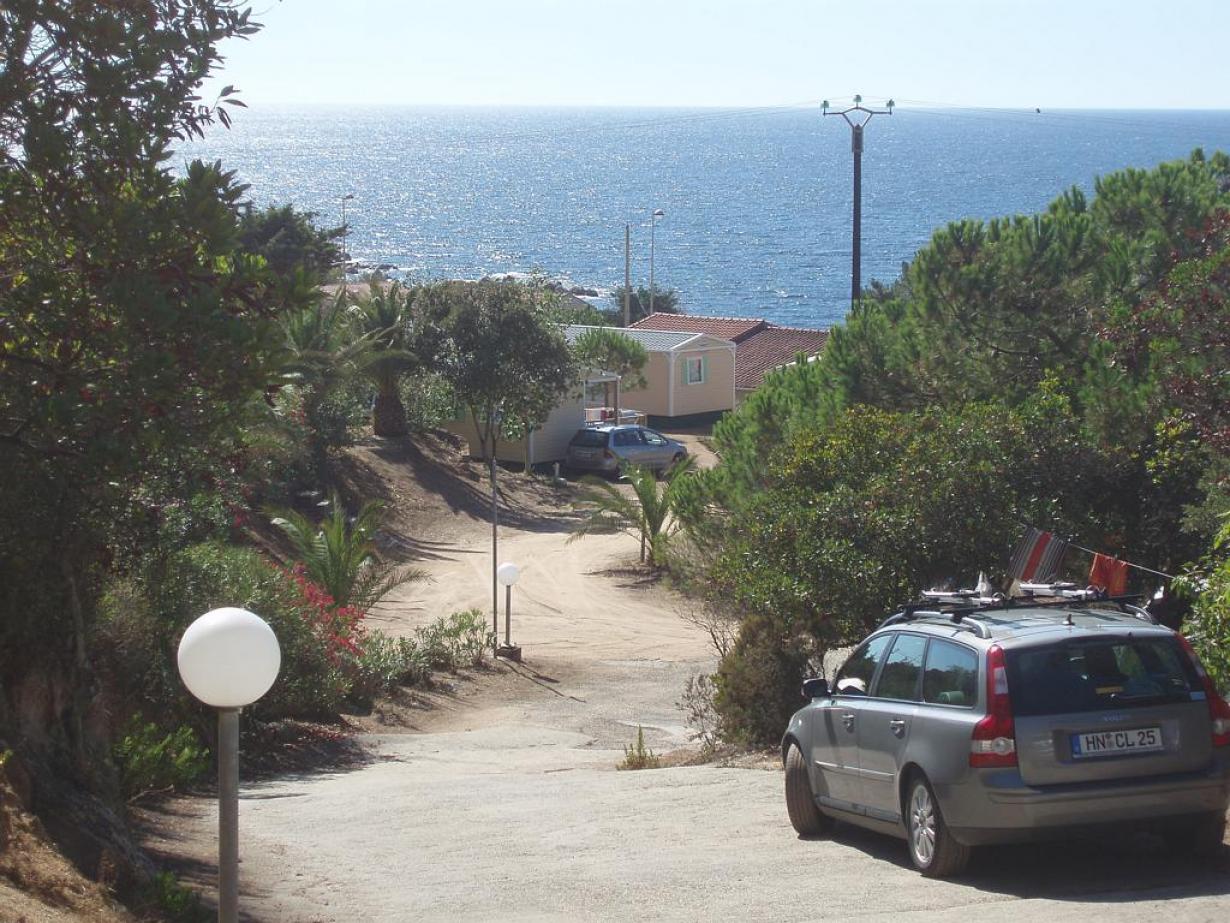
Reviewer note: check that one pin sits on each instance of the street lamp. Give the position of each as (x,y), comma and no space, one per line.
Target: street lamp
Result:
(508,574)
(653,223)
(228,658)
(345,228)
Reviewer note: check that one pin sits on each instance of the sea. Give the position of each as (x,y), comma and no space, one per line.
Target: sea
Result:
(756,202)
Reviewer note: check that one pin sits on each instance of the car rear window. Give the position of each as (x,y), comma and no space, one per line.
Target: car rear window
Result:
(1114,673)
(590,439)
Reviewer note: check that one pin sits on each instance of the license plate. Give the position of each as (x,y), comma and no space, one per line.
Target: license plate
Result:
(584,453)
(1111,743)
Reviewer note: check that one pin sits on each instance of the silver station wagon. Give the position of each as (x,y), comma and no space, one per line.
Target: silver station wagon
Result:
(1012,722)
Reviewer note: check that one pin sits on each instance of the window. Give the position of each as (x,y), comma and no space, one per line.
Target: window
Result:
(951,677)
(902,669)
(855,677)
(653,438)
(1097,675)
(694,370)
(589,439)
(627,437)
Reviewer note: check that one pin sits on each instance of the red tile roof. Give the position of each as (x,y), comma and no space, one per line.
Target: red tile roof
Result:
(771,347)
(735,329)
(759,345)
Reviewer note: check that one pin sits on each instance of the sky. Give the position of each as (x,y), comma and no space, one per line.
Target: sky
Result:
(1129,54)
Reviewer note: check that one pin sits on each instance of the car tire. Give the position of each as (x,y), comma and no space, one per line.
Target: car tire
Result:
(805,817)
(933,850)
(1200,837)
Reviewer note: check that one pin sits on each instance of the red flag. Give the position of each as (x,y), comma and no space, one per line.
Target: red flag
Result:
(1109,573)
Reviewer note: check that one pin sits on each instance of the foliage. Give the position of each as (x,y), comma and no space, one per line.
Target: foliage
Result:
(462,639)
(700,713)
(504,358)
(756,687)
(1208,628)
(647,514)
(136,334)
(340,555)
(385,663)
(300,255)
(153,760)
(665,301)
(606,349)
(143,616)
(429,401)
(638,756)
(173,902)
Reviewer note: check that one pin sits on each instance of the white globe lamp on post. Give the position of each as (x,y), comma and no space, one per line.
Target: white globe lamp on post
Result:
(508,573)
(228,658)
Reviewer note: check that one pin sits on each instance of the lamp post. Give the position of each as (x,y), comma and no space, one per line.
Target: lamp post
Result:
(345,228)
(497,423)
(228,658)
(653,223)
(508,573)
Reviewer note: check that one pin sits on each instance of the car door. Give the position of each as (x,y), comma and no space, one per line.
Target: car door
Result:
(835,725)
(884,722)
(657,449)
(628,446)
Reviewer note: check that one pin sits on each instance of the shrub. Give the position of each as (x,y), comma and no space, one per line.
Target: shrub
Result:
(460,639)
(339,554)
(385,663)
(153,761)
(639,756)
(172,901)
(699,711)
(1208,627)
(757,684)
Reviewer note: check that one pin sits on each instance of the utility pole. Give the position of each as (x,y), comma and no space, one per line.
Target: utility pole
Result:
(857,123)
(653,223)
(345,227)
(627,275)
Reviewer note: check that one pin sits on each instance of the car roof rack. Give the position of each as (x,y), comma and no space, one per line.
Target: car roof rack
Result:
(956,607)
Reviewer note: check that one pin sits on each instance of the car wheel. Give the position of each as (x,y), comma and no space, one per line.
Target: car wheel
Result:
(1201,836)
(932,848)
(805,817)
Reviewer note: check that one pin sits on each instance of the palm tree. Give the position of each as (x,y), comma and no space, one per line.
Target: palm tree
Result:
(340,554)
(646,514)
(383,314)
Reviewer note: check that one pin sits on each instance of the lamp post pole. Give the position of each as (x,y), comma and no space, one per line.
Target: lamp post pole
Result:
(345,227)
(627,275)
(653,223)
(508,574)
(857,124)
(228,815)
(497,422)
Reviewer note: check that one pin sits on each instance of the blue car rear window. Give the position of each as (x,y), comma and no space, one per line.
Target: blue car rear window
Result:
(590,439)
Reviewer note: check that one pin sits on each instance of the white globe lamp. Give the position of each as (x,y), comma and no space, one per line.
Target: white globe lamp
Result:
(508,573)
(228,658)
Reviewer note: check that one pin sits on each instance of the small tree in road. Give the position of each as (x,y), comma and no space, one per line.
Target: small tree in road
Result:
(648,513)
(608,350)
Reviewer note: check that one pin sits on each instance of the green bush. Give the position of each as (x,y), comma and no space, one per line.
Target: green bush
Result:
(151,760)
(459,640)
(638,756)
(385,663)
(1208,627)
(758,683)
(144,615)
(173,902)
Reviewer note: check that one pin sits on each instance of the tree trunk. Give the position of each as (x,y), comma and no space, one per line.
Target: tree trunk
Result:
(616,389)
(388,414)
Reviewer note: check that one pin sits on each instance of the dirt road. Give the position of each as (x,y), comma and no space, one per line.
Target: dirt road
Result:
(504,801)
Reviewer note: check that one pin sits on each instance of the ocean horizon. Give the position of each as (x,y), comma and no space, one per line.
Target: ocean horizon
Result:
(757,202)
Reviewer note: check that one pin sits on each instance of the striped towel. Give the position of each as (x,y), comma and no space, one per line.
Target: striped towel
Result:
(1037,557)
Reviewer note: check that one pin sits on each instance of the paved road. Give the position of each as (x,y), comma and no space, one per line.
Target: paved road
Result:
(517,812)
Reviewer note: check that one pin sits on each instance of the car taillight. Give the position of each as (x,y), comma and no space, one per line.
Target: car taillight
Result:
(1219,709)
(608,454)
(994,740)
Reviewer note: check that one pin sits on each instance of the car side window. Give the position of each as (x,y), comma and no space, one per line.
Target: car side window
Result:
(902,669)
(653,438)
(854,678)
(951,675)
(626,437)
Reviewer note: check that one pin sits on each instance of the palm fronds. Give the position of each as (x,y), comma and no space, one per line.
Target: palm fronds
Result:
(339,554)
(647,514)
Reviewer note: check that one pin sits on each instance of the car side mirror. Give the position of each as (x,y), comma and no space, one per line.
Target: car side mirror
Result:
(815,688)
